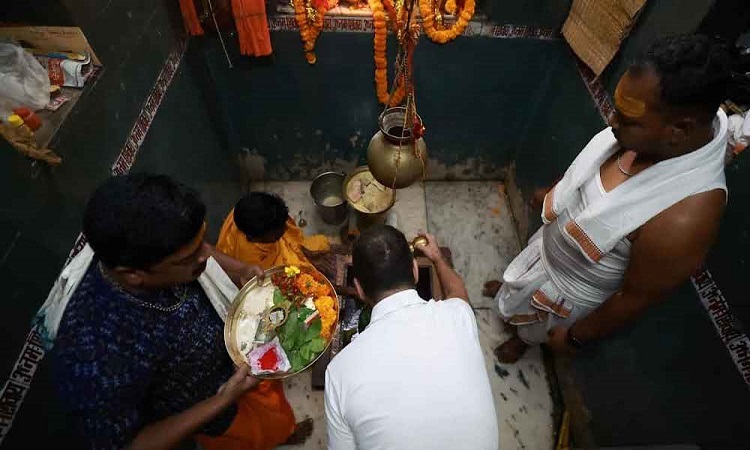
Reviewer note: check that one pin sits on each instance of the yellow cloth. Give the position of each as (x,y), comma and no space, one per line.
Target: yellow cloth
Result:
(286,251)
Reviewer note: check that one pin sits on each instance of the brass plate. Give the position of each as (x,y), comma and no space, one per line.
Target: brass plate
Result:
(230,336)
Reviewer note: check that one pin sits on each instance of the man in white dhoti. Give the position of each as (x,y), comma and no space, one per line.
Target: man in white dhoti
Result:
(634,214)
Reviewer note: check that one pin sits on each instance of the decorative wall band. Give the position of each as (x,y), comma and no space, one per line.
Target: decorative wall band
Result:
(364,24)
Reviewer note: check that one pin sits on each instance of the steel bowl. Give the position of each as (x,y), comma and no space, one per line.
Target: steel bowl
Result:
(329,185)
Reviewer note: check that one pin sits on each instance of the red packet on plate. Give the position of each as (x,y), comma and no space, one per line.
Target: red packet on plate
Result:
(268,358)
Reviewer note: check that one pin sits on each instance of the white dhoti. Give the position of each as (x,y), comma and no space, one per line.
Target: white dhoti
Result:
(537,296)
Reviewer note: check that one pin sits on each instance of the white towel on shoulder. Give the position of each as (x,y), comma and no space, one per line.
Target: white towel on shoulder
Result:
(598,228)
(215,282)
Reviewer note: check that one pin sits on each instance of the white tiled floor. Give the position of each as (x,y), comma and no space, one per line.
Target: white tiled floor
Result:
(473,219)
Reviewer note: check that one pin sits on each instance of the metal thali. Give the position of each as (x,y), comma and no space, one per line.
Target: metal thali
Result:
(236,312)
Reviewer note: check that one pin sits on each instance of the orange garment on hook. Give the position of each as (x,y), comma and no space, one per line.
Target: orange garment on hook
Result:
(190,17)
(252,27)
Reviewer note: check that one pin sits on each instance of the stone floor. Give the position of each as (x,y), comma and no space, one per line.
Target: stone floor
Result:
(473,219)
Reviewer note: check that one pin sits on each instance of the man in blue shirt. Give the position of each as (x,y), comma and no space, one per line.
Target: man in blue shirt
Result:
(139,357)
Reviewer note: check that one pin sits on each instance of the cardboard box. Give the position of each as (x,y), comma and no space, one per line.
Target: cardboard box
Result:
(53,39)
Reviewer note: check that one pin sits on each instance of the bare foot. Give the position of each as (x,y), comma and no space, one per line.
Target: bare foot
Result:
(491,288)
(511,350)
(301,433)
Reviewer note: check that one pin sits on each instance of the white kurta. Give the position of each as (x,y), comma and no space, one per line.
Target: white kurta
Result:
(414,379)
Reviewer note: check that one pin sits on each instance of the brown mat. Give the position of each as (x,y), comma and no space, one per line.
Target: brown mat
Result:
(596,28)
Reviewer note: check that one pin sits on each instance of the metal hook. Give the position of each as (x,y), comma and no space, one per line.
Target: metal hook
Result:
(218,31)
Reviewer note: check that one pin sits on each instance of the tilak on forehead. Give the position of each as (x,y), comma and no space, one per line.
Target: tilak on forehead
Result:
(629,106)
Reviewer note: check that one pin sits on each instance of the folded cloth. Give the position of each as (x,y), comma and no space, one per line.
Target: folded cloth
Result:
(218,286)
(264,421)
(190,18)
(47,320)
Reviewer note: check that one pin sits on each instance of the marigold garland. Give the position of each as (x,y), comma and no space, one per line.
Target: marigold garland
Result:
(427,11)
(381,64)
(310,23)
(450,6)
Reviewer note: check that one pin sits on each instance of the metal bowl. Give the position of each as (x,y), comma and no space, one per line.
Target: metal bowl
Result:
(230,325)
(327,186)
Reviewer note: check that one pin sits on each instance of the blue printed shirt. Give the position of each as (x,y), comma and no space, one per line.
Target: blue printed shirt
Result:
(120,366)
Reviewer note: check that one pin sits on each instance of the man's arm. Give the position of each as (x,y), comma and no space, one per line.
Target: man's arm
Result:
(239,272)
(105,400)
(452,284)
(169,432)
(669,248)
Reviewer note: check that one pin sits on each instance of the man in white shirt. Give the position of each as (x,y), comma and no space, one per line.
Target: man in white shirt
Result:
(415,378)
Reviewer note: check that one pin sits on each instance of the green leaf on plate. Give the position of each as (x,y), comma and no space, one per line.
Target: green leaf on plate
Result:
(306,352)
(297,362)
(278,297)
(313,330)
(304,312)
(317,345)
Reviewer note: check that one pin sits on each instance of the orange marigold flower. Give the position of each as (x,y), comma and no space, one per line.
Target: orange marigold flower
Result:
(327,309)
(321,290)
(306,284)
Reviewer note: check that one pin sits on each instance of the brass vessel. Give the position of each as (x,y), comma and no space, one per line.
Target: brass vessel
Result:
(395,156)
(419,241)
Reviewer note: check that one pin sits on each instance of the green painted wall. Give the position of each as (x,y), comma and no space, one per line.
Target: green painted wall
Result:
(475,96)
(658,18)
(489,100)
(538,13)
(41,208)
(474,102)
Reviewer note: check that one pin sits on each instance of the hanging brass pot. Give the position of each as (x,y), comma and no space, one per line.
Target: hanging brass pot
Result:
(395,156)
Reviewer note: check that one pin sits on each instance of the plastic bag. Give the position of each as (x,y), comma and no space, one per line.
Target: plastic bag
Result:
(23,81)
